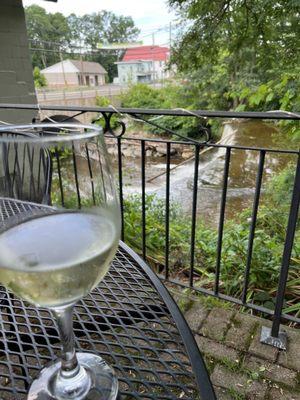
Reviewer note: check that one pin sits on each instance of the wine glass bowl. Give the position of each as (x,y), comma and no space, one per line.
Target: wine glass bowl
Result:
(56,254)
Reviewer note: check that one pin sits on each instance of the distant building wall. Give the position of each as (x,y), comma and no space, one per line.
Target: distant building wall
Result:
(135,71)
(91,79)
(141,71)
(16,80)
(58,79)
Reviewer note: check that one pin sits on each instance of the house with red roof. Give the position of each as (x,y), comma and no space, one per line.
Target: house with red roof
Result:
(145,64)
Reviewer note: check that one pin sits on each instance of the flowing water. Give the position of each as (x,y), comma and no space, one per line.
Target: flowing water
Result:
(242,172)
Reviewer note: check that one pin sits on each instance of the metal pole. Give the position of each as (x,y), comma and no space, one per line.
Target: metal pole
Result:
(274,336)
(81,67)
(63,67)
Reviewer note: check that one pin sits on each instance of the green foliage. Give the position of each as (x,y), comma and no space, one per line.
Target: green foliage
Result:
(57,33)
(142,96)
(39,79)
(281,186)
(241,56)
(103,27)
(168,97)
(102,101)
(49,31)
(266,258)
(255,38)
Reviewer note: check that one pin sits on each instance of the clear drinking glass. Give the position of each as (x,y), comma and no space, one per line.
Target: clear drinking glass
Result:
(59,239)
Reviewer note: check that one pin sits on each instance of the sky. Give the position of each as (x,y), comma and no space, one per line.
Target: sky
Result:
(148,15)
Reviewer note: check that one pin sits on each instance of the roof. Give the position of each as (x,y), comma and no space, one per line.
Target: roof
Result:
(87,67)
(153,53)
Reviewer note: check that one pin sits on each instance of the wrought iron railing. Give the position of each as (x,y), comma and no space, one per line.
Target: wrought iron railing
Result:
(116,130)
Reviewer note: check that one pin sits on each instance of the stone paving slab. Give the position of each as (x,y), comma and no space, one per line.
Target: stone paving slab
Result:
(241,367)
(217,350)
(238,383)
(274,372)
(260,349)
(195,317)
(240,332)
(222,394)
(282,394)
(216,324)
(291,358)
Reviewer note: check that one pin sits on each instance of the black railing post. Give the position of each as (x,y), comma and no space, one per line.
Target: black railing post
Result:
(167,223)
(221,219)
(274,336)
(120,175)
(194,214)
(259,177)
(143,181)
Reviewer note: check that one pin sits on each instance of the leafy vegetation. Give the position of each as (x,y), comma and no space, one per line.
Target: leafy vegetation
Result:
(229,47)
(267,251)
(39,79)
(58,35)
(170,96)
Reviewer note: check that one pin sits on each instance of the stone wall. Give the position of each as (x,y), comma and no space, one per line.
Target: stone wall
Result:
(16,80)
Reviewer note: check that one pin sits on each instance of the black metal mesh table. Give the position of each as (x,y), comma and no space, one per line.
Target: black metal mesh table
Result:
(130,319)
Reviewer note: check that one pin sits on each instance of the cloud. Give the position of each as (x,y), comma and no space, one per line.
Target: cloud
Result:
(135,8)
(147,15)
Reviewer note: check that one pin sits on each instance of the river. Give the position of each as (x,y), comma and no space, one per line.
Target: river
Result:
(242,172)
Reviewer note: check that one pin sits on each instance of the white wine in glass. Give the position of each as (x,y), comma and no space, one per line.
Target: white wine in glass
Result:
(55,256)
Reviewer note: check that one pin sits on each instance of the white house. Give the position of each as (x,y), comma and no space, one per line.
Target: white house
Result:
(75,73)
(143,64)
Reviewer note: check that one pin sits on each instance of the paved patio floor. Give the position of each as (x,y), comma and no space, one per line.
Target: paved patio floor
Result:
(239,365)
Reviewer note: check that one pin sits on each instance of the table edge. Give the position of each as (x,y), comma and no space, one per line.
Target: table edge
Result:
(202,377)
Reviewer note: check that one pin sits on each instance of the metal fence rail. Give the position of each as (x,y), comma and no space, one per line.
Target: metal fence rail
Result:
(273,336)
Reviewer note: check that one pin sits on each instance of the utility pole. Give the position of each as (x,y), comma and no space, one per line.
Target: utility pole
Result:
(81,65)
(153,58)
(170,34)
(62,66)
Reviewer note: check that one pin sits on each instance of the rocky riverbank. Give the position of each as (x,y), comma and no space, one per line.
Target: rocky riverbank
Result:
(132,149)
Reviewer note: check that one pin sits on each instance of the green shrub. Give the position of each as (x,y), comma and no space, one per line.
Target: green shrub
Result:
(167,97)
(39,78)
(266,257)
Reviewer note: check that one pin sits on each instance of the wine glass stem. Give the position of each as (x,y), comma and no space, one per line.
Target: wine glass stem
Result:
(64,319)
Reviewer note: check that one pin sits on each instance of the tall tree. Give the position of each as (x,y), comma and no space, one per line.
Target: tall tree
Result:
(234,43)
(102,27)
(54,36)
(47,31)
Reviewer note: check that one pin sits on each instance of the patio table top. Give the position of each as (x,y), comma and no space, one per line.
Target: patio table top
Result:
(130,319)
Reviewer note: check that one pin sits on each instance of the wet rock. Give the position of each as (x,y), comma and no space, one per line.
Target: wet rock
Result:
(187,154)
(161,149)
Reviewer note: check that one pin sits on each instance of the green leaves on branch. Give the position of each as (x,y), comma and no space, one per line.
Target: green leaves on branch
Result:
(39,79)
(170,96)
(62,36)
(267,250)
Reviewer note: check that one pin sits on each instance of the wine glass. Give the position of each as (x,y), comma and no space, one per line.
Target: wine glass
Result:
(59,239)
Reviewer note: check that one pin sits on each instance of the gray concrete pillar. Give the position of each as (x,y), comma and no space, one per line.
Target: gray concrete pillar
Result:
(16,79)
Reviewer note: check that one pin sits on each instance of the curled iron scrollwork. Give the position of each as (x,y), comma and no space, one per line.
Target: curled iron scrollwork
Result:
(117,127)
(111,127)
(203,130)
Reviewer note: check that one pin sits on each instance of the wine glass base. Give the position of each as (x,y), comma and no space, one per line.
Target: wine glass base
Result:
(99,381)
